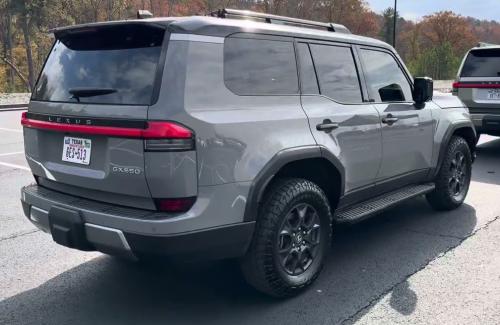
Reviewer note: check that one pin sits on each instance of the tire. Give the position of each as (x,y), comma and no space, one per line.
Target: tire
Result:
(296,220)
(453,179)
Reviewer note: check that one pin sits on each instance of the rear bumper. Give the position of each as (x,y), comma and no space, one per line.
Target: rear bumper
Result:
(73,222)
(486,123)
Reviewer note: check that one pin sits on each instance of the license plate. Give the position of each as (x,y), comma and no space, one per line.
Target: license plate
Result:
(77,150)
(493,94)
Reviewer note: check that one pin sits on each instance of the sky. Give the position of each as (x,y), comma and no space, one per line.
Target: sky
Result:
(416,9)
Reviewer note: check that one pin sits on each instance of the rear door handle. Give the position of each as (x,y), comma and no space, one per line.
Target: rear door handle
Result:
(389,119)
(327,126)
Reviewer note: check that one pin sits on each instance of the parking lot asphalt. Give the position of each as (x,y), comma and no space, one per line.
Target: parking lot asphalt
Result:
(408,265)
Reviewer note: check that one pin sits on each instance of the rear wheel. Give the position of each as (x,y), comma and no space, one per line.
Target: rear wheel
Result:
(291,239)
(453,179)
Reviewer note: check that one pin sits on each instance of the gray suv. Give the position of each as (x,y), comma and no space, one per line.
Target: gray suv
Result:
(478,86)
(241,135)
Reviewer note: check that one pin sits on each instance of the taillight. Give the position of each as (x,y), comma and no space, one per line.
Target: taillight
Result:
(168,136)
(457,85)
(166,130)
(157,135)
(23,118)
(175,205)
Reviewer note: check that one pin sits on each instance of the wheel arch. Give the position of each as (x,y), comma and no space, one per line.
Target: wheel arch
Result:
(464,129)
(292,162)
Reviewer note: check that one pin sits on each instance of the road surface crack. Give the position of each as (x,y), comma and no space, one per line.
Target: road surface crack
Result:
(19,234)
(354,317)
(436,234)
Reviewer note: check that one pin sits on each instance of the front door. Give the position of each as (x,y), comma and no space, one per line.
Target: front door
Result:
(407,131)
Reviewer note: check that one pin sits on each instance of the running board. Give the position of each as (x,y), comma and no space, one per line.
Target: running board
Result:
(373,206)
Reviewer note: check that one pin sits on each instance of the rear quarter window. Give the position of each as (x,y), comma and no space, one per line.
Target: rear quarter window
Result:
(482,63)
(122,60)
(260,67)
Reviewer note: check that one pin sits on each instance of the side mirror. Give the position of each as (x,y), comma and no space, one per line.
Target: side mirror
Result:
(423,87)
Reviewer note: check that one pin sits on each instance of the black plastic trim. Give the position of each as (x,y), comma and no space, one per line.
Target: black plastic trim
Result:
(159,69)
(208,244)
(446,141)
(279,160)
(75,120)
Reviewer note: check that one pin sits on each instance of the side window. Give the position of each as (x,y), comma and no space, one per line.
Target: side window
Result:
(260,67)
(308,81)
(384,77)
(337,74)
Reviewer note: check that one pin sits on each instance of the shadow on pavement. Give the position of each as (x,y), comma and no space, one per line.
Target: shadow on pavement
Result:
(403,299)
(486,168)
(367,260)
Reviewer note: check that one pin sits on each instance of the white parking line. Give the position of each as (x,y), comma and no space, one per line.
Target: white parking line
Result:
(11,153)
(14,166)
(11,130)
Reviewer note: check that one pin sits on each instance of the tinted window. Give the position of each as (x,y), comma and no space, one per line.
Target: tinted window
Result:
(122,61)
(260,67)
(337,75)
(384,77)
(482,63)
(308,80)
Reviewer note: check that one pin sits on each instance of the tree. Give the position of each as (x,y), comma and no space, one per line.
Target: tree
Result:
(439,62)
(30,14)
(387,30)
(448,27)
(6,38)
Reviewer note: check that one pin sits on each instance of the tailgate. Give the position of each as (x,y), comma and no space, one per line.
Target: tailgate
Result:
(479,82)
(109,163)
(87,131)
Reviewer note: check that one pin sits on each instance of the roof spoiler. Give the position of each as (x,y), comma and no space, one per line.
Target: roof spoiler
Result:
(143,14)
(484,44)
(89,27)
(281,20)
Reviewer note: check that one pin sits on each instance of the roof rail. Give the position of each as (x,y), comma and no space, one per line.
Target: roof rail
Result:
(274,19)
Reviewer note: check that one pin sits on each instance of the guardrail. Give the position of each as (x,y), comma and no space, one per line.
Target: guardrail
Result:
(13,107)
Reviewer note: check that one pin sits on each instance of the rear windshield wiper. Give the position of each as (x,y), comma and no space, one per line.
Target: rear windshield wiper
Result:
(90,92)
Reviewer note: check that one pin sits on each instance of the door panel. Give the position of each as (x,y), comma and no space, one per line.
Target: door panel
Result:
(407,132)
(356,141)
(407,142)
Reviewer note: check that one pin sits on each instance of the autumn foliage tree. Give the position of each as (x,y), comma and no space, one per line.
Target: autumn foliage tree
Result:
(437,44)
(445,26)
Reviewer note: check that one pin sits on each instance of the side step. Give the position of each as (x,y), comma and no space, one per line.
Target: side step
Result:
(368,208)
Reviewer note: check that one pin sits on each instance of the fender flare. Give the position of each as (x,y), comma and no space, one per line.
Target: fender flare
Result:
(446,140)
(278,161)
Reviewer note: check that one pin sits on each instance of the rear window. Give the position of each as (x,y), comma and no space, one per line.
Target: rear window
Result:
(260,67)
(111,65)
(482,63)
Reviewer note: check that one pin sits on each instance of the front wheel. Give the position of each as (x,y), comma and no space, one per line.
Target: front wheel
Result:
(291,240)
(453,179)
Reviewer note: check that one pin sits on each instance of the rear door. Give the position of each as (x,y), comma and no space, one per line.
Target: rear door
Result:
(407,132)
(88,114)
(339,118)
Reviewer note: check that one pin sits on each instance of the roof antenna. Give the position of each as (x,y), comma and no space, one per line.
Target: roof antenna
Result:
(143,14)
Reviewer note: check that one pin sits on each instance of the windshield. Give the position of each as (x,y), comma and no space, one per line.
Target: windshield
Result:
(112,65)
(482,63)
